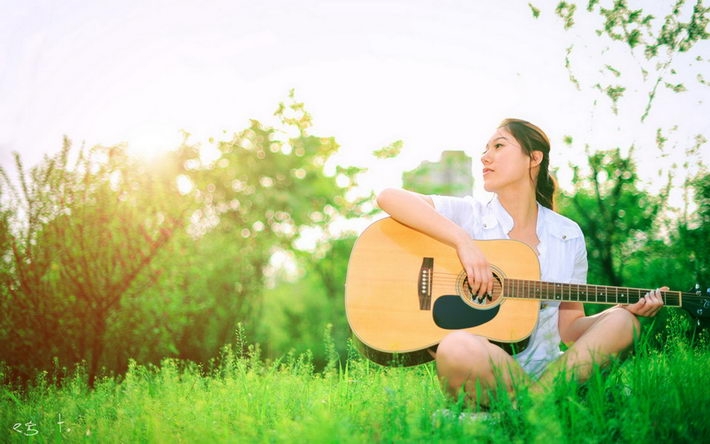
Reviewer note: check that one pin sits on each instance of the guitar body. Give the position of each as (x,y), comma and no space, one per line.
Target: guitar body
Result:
(406,291)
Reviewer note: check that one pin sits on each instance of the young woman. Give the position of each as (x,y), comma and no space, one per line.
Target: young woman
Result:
(515,169)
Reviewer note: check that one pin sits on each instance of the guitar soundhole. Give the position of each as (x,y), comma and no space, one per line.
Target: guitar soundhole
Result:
(485,302)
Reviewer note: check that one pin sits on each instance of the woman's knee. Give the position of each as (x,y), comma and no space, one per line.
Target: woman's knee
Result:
(462,346)
(623,321)
(462,355)
(619,326)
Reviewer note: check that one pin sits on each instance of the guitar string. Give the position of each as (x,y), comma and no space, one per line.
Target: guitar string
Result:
(590,289)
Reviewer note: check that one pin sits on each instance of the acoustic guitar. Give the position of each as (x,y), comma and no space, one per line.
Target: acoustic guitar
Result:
(405,291)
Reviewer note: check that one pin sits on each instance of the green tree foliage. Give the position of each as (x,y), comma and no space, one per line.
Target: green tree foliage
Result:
(682,260)
(696,230)
(657,44)
(615,215)
(306,314)
(108,258)
(79,244)
(270,189)
(390,151)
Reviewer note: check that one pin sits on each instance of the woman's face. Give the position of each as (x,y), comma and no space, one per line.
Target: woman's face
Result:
(505,163)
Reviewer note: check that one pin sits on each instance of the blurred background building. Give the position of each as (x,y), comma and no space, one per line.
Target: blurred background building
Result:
(451,175)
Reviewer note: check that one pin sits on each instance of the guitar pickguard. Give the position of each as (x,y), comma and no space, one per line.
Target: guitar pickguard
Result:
(453,313)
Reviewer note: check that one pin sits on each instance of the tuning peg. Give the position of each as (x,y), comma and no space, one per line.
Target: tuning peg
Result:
(697,289)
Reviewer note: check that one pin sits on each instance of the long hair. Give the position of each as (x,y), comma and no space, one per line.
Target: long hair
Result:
(531,138)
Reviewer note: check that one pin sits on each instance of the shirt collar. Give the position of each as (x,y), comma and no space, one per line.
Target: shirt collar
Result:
(502,217)
(547,224)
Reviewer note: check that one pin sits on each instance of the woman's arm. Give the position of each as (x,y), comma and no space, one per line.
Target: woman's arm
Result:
(572,323)
(417,211)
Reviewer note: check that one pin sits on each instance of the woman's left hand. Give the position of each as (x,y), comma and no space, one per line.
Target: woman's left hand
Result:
(649,305)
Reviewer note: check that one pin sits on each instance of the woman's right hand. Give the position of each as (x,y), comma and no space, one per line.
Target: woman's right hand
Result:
(477,269)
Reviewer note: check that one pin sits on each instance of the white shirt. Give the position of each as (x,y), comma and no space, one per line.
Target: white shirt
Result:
(562,254)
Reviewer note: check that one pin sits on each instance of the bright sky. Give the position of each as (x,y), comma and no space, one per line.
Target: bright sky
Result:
(436,74)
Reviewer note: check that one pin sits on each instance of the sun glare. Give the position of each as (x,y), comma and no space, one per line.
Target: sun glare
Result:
(152,139)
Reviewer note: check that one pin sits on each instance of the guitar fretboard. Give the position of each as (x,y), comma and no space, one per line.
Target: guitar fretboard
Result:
(598,294)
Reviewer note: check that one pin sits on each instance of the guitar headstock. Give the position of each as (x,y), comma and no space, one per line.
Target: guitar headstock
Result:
(697,302)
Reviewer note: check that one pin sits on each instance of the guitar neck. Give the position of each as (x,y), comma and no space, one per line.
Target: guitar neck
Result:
(597,294)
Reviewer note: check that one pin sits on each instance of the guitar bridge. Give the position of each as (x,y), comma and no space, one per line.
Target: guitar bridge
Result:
(424,284)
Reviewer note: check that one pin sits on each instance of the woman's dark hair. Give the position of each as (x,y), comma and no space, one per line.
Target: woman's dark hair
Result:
(531,138)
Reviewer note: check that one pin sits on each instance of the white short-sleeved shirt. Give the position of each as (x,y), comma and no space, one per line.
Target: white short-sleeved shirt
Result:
(561,251)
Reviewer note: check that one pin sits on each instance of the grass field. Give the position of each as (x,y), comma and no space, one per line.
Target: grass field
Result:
(653,396)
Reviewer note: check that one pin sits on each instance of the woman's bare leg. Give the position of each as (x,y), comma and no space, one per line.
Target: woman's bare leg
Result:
(609,334)
(474,363)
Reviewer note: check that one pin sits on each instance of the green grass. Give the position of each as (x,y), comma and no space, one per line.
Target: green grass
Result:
(653,396)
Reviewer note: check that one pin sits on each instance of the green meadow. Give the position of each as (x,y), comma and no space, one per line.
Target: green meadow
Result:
(658,394)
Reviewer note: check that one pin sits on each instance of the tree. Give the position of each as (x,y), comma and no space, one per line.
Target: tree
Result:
(81,236)
(612,211)
(270,189)
(691,241)
(108,258)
